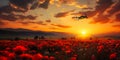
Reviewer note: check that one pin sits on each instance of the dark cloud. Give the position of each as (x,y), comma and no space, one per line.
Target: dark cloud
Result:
(100,9)
(40,23)
(9,9)
(45,4)
(118,17)
(63,14)
(6,13)
(3,2)
(26,5)
(29,17)
(48,21)
(110,35)
(54,28)
(87,8)
(21,6)
(101,19)
(32,22)
(66,1)
(61,26)
(2,23)
(118,26)
(103,6)
(12,17)
(115,8)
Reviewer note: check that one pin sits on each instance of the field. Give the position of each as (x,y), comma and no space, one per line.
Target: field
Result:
(60,50)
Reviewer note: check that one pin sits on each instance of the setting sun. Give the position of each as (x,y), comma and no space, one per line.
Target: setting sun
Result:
(83,32)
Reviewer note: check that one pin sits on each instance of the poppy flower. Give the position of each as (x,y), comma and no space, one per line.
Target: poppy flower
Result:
(19,49)
(26,57)
(113,56)
(52,58)
(38,56)
(3,58)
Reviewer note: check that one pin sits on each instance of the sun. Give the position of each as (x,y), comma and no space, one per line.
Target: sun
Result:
(83,32)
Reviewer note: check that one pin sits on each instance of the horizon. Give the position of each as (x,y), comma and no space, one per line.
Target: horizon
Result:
(9,33)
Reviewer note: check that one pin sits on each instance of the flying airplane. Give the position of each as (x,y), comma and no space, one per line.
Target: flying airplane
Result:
(80,17)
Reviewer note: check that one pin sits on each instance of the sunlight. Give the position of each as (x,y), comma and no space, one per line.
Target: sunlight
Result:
(83,32)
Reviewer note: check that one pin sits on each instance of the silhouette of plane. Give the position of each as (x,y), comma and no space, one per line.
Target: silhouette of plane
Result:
(80,17)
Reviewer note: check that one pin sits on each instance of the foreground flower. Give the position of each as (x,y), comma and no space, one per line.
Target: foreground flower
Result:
(113,56)
(11,56)
(45,58)
(26,57)
(52,58)
(38,57)
(19,49)
(93,57)
(3,58)
(73,58)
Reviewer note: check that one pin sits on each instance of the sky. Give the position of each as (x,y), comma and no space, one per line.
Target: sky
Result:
(56,15)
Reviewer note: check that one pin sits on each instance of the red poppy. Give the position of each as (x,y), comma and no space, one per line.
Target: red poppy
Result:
(26,57)
(73,58)
(38,57)
(19,49)
(113,56)
(3,58)
(52,58)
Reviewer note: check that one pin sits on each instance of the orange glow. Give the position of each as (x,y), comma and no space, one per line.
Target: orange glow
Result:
(83,33)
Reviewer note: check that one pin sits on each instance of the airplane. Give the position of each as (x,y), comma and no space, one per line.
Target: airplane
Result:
(80,17)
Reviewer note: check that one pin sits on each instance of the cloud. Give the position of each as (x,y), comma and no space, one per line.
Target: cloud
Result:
(75,3)
(66,1)
(118,17)
(100,9)
(2,23)
(45,4)
(10,14)
(25,5)
(110,35)
(32,22)
(115,8)
(118,26)
(61,26)
(48,21)
(63,14)
(40,23)
(53,28)
(105,6)
(101,19)
(103,12)
(21,6)
(12,17)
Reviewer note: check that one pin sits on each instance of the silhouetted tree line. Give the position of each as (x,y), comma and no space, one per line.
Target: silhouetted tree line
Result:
(39,37)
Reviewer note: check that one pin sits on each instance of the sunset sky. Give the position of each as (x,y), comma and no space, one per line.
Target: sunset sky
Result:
(56,15)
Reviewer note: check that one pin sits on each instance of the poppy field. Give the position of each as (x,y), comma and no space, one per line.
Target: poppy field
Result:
(60,50)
